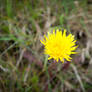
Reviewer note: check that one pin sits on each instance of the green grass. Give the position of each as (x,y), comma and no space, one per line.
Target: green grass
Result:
(22,25)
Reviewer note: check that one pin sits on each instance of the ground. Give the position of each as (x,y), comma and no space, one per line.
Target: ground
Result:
(23,65)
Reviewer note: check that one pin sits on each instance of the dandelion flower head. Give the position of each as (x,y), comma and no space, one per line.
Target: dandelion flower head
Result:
(59,46)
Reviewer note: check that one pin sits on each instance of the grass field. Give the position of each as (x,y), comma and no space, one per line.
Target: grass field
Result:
(23,65)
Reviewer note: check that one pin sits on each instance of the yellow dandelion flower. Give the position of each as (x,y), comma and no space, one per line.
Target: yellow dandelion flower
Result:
(59,46)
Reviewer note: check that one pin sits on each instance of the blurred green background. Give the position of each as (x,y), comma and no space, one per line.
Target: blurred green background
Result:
(23,65)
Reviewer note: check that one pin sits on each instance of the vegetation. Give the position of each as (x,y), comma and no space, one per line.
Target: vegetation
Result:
(23,65)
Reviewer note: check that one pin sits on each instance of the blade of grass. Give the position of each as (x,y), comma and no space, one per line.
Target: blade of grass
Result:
(78,77)
(9,8)
(45,62)
(11,46)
